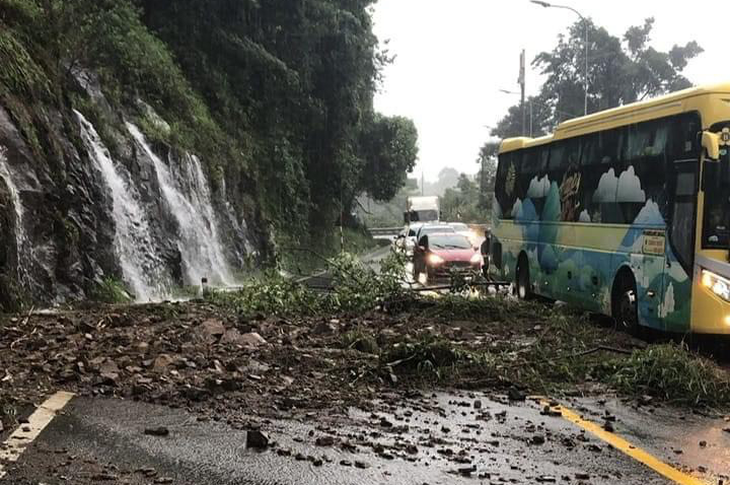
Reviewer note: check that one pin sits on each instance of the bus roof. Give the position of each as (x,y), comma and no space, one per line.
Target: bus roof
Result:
(666,105)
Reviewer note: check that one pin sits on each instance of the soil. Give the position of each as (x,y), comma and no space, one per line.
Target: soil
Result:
(209,360)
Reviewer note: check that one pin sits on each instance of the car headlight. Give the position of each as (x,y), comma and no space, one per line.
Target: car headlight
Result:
(719,285)
(435,259)
(477,258)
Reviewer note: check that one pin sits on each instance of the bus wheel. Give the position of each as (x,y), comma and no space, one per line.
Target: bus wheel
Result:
(524,291)
(625,307)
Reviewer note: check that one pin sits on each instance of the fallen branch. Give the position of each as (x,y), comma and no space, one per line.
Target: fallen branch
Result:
(593,350)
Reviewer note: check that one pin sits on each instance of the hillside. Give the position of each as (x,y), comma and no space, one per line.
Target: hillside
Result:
(146,144)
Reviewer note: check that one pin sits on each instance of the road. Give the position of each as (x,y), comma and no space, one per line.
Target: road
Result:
(434,439)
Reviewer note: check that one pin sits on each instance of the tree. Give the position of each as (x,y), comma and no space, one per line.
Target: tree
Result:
(486,176)
(461,203)
(390,152)
(621,71)
(447,178)
(294,81)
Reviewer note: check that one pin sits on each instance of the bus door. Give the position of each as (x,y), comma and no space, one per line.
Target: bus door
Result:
(682,187)
(650,286)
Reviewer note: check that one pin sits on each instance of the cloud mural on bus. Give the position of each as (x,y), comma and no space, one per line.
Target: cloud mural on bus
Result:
(607,187)
(571,271)
(629,187)
(538,187)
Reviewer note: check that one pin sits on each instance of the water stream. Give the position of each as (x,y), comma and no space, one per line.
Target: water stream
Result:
(20,234)
(187,195)
(134,244)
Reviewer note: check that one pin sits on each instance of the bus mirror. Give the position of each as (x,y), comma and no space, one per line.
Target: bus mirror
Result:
(711,143)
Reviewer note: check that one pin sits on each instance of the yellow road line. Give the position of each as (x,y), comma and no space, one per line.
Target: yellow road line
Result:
(17,442)
(627,448)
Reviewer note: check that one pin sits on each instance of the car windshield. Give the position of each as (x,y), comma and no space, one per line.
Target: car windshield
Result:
(433,229)
(448,241)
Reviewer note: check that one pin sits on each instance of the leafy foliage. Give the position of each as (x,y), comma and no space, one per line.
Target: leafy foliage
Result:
(298,79)
(275,96)
(111,291)
(671,372)
(620,71)
(356,288)
(390,152)
(461,203)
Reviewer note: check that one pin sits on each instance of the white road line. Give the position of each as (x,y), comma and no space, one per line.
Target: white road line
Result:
(17,442)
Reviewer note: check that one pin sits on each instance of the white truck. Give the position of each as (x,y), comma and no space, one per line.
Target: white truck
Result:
(422,209)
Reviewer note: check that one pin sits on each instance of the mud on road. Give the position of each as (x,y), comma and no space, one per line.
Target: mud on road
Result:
(361,376)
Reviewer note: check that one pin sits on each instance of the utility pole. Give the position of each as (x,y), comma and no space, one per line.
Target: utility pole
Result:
(585,46)
(521,82)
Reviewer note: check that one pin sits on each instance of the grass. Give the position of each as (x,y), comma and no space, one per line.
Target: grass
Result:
(360,340)
(110,290)
(671,372)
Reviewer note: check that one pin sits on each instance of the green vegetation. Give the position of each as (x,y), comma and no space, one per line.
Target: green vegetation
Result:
(298,82)
(110,290)
(301,260)
(276,98)
(622,70)
(483,341)
(671,372)
(360,340)
(463,198)
(429,357)
(356,288)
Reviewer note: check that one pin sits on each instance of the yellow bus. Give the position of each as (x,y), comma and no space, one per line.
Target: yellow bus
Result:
(623,212)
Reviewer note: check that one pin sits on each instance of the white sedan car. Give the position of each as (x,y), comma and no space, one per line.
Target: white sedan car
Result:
(406,240)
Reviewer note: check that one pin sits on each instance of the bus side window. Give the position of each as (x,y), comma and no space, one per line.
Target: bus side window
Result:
(643,171)
(570,181)
(590,175)
(608,144)
(686,136)
(599,177)
(532,183)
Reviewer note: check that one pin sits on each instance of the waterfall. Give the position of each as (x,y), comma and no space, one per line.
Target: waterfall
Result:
(134,245)
(20,235)
(199,242)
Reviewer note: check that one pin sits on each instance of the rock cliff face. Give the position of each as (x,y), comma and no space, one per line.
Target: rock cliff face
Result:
(78,209)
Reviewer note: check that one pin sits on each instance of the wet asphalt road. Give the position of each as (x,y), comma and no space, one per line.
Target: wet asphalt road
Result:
(426,440)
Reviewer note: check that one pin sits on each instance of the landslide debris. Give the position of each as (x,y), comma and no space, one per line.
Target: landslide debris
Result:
(218,357)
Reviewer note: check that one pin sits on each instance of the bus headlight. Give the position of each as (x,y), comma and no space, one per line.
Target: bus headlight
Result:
(435,259)
(719,285)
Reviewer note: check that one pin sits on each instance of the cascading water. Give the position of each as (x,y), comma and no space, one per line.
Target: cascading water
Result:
(138,255)
(199,244)
(20,235)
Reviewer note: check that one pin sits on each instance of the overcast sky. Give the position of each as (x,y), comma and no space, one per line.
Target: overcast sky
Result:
(453,57)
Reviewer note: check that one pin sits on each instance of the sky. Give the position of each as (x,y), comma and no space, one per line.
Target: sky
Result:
(453,57)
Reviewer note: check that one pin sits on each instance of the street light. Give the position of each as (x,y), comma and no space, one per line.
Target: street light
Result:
(529,101)
(585,25)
